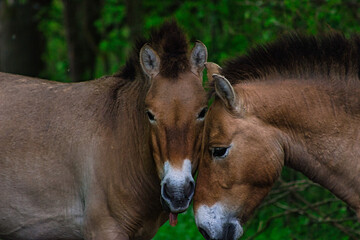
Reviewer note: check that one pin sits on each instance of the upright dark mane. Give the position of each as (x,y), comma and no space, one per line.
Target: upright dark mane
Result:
(332,61)
(296,56)
(170,42)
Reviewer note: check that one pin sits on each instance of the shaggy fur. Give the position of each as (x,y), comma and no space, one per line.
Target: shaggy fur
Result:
(331,60)
(170,42)
(298,56)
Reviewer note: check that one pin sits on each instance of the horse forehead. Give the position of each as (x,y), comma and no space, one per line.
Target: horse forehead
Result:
(187,87)
(219,121)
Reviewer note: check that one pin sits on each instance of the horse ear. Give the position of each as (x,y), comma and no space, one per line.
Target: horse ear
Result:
(198,58)
(211,69)
(226,93)
(149,61)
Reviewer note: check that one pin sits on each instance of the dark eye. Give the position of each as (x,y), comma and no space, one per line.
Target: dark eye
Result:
(150,116)
(202,114)
(219,152)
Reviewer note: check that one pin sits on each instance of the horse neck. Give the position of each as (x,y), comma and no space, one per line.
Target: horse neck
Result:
(321,140)
(130,168)
(133,126)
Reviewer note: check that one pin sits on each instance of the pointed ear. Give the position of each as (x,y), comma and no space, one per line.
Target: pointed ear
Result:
(211,69)
(226,93)
(149,61)
(198,58)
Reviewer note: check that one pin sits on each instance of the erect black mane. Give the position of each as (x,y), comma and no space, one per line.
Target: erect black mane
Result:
(170,43)
(296,56)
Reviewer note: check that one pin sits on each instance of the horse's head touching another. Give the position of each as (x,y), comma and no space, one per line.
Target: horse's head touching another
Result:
(103,159)
(295,102)
(176,105)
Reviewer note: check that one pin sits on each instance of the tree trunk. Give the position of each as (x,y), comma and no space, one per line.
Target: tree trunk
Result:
(134,19)
(21,43)
(82,37)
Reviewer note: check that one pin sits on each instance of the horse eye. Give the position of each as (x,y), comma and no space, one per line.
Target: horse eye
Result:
(220,152)
(150,116)
(202,114)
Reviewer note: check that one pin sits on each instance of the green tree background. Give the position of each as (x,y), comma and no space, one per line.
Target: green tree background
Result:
(296,208)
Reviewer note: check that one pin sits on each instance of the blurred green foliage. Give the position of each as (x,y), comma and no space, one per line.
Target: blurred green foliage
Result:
(55,57)
(228,28)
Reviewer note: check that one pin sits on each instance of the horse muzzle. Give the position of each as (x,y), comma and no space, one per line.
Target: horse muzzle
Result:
(176,197)
(229,233)
(214,223)
(177,188)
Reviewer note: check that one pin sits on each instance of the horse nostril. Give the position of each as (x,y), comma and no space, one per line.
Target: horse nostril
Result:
(167,193)
(230,230)
(204,233)
(189,188)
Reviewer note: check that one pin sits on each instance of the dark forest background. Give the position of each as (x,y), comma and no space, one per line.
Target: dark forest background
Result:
(78,40)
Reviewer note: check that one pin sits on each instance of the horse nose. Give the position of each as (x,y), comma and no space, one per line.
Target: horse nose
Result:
(170,192)
(167,193)
(177,196)
(189,189)
(229,231)
(204,233)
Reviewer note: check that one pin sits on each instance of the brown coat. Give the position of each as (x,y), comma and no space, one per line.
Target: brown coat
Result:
(294,102)
(86,160)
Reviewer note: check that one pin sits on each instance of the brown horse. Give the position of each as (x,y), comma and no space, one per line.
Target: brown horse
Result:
(91,160)
(295,102)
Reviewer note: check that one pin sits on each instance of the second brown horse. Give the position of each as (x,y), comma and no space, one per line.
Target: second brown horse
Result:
(295,102)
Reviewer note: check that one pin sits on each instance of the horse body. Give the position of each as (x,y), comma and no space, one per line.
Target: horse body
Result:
(28,185)
(48,192)
(272,115)
(81,160)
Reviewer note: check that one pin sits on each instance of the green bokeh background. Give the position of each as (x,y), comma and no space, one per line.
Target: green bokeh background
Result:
(228,28)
